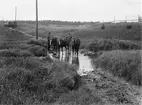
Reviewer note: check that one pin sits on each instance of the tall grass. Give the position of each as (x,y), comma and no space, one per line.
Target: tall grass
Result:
(125,64)
(84,96)
(14,53)
(22,79)
(13,45)
(30,81)
(21,50)
(42,43)
(37,50)
(108,45)
(39,47)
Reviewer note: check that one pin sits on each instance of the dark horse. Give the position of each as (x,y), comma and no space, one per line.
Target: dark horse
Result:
(62,44)
(75,45)
(55,43)
(68,41)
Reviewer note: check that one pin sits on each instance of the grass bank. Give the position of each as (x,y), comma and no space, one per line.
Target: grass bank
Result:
(111,44)
(125,64)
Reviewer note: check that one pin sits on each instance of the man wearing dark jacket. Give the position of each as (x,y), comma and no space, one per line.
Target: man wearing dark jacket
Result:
(49,40)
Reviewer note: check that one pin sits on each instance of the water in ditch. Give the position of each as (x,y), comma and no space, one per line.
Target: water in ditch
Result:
(83,62)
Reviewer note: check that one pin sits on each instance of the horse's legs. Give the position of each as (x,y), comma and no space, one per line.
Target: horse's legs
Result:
(62,49)
(69,49)
(73,50)
(77,52)
(59,50)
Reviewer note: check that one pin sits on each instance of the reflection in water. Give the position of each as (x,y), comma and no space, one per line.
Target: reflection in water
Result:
(70,58)
(67,57)
(75,60)
(83,62)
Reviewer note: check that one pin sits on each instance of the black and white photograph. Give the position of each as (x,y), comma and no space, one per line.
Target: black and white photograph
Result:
(70,52)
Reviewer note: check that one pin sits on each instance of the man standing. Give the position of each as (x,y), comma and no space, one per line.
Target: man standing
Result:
(49,40)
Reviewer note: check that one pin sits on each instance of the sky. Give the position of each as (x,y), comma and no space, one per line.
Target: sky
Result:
(71,10)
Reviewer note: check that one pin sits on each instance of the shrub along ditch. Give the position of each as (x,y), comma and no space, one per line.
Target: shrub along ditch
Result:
(125,64)
(108,45)
(30,78)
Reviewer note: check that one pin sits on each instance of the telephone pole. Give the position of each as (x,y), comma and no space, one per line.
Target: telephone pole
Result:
(36,19)
(114,19)
(15,13)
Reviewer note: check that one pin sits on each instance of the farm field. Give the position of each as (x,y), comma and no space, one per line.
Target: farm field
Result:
(87,32)
(30,76)
(90,30)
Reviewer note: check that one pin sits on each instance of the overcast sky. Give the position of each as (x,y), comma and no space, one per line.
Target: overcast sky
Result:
(71,10)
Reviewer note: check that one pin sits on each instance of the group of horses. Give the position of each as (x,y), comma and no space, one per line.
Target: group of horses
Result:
(68,43)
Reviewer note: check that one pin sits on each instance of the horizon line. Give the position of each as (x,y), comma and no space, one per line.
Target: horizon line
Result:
(73,21)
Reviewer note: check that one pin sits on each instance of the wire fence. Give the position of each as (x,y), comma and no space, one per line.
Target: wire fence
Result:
(132,20)
(139,19)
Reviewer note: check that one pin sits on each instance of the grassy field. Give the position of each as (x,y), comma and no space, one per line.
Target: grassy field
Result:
(12,36)
(44,29)
(87,31)
(113,31)
(28,75)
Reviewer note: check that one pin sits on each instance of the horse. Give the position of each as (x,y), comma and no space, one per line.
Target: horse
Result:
(62,44)
(68,41)
(75,45)
(55,43)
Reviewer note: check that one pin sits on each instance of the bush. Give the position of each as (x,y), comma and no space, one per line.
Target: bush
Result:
(70,83)
(129,26)
(42,43)
(38,50)
(11,81)
(67,82)
(125,64)
(108,45)
(14,53)
(65,76)
(8,45)
(84,96)
(22,79)
(29,63)
(24,50)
